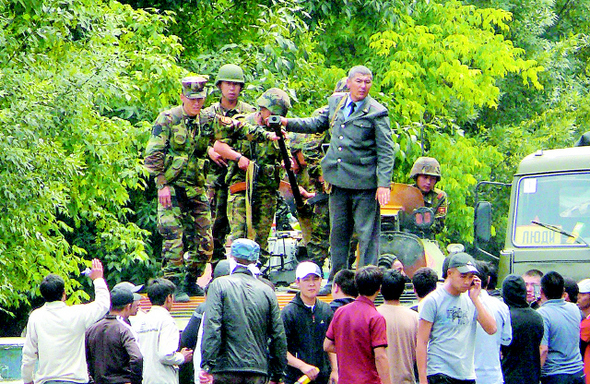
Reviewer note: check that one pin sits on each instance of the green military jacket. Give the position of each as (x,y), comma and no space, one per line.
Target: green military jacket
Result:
(241,108)
(254,145)
(437,199)
(361,154)
(176,152)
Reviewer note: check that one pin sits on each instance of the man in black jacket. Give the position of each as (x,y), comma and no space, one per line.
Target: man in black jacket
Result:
(521,361)
(243,338)
(112,352)
(306,321)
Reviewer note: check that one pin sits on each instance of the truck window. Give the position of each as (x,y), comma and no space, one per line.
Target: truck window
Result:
(559,200)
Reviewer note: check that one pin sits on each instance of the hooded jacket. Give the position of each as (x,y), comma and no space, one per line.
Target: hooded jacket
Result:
(521,362)
(306,330)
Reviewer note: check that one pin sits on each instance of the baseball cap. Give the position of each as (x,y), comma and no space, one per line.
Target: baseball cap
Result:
(132,288)
(120,297)
(193,87)
(584,286)
(307,268)
(463,262)
(245,249)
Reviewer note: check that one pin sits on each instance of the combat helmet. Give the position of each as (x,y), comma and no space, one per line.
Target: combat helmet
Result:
(276,101)
(426,166)
(342,86)
(230,72)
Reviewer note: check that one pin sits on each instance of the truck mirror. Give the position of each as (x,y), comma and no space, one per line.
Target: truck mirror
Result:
(483,221)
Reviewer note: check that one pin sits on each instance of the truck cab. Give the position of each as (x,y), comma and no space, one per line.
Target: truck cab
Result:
(549,217)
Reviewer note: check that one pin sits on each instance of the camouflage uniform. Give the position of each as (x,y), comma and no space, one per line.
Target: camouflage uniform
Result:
(436,198)
(176,155)
(217,188)
(267,156)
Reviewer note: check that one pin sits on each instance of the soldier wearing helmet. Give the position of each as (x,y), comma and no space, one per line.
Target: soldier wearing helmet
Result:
(251,214)
(230,82)
(426,173)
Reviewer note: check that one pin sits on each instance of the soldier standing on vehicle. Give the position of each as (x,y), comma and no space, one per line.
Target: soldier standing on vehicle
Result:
(358,166)
(230,82)
(176,155)
(426,173)
(254,172)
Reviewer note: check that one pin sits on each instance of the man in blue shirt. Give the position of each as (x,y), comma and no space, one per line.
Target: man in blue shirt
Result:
(561,362)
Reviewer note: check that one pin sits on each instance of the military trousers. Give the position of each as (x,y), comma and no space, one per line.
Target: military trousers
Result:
(353,211)
(218,194)
(318,240)
(186,228)
(263,211)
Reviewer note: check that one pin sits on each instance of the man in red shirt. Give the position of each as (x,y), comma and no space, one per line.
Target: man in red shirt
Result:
(358,335)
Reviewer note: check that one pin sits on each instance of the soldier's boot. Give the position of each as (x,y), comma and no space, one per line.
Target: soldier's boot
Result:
(191,288)
(180,295)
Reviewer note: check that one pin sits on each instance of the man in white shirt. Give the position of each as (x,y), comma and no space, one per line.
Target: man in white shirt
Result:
(55,332)
(159,337)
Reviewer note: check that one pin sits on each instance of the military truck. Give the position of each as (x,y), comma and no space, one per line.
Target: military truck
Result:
(549,217)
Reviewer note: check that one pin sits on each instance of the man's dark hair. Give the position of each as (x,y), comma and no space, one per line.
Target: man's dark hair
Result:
(445,267)
(393,285)
(159,290)
(493,275)
(533,273)
(483,272)
(424,281)
(345,280)
(368,280)
(571,288)
(52,288)
(552,285)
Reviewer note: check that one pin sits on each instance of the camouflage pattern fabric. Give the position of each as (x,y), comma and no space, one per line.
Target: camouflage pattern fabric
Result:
(264,209)
(256,147)
(431,200)
(318,246)
(176,155)
(282,214)
(276,101)
(186,229)
(217,189)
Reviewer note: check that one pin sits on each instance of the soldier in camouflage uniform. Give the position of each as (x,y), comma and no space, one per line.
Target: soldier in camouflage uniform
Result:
(243,151)
(316,231)
(176,155)
(230,81)
(426,173)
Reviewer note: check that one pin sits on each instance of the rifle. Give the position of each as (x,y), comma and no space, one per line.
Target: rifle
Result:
(274,122)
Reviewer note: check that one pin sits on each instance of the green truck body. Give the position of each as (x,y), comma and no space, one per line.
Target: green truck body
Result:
(549,218)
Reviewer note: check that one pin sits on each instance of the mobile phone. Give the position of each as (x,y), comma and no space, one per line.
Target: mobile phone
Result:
(537,291)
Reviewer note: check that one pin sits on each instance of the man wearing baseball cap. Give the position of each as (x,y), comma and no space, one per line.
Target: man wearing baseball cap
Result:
(243,337)
(112,352)
(584,305)
(306,321)
(447,325)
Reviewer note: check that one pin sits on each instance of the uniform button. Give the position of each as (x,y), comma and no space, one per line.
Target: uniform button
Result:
(340,148)
(341,137)
(339,160)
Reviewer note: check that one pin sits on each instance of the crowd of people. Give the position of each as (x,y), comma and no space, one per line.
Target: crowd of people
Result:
(462,330)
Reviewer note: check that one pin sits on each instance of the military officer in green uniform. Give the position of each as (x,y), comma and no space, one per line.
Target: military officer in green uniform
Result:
(426,173)
(358,166)
(254,172)
(307,154)
(230,82)
(176,155)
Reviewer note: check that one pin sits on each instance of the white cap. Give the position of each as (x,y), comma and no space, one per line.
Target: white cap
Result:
(307,268)
(584,286)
